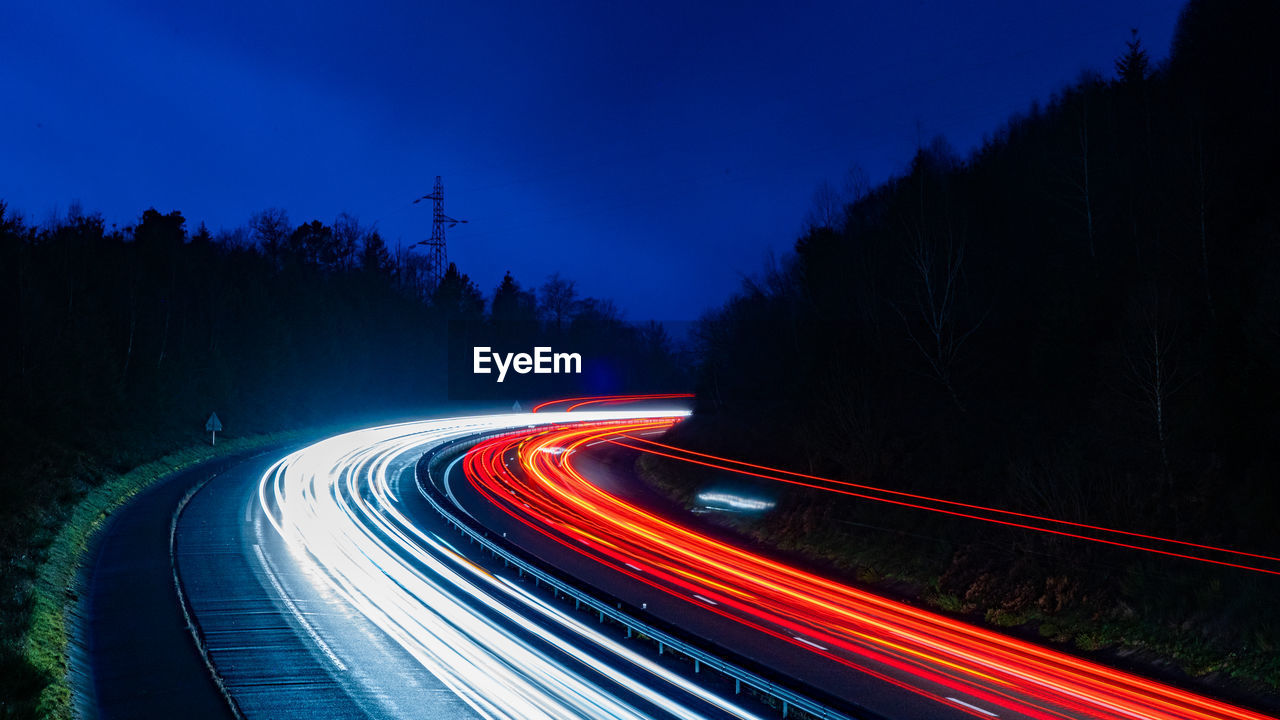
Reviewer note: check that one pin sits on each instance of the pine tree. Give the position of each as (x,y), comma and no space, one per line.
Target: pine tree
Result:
(1133,66)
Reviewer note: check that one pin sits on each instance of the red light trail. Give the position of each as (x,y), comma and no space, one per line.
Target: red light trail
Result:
(578,402)
(834,486)
(907,646)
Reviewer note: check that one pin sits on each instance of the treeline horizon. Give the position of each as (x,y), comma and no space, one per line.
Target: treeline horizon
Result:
(272,322)
(121,341)
(1079,319)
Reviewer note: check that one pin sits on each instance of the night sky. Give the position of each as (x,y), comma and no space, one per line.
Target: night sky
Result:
(655,154)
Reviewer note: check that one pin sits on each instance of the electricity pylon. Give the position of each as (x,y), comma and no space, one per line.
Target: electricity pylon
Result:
(439,256)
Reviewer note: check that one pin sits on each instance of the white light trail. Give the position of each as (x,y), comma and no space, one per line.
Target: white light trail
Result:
(736,502)
(505,652)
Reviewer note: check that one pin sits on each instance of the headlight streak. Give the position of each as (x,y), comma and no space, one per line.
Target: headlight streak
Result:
(735,502)
(504,651)
(551,497)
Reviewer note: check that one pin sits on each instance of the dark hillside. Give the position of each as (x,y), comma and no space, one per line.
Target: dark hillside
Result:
(1079,319)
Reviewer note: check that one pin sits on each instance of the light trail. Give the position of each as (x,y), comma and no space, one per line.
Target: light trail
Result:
(894,641)
(504,651)
(575,403)
(837,486)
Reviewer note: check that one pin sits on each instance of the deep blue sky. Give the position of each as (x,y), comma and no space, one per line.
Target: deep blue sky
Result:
(655,154)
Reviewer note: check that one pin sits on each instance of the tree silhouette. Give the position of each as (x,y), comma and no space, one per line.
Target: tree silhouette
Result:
(457,296)
(1020,278)
(374,257)
(1134,65)
(557,300)
(513,312)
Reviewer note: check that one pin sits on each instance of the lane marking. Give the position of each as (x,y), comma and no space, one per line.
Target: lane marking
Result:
(706,600)
(449,490)
(324,647)
(633,567)
(984,711)
(807,641)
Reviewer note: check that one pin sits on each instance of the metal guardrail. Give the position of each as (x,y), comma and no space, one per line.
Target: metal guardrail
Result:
(500,548)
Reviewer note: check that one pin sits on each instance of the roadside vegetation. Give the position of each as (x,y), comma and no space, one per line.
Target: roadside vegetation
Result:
(1077,319)
(56,588)
(1157,617)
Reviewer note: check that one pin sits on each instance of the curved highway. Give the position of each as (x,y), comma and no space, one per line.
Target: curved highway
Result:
(316,595)
(543,479)
(324,584)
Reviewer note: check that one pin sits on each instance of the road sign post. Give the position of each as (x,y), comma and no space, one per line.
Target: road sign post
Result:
(212,426)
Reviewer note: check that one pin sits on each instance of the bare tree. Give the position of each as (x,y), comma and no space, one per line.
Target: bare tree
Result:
(233,239)
(1051,486)
(826,209)
(346,237)
(1152,371)
(829,207)
(934,325)
(1077,174)
(271,231)
(557,300)
(856,184)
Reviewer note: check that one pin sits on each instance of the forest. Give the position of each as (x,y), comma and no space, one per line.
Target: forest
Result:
(1078,319)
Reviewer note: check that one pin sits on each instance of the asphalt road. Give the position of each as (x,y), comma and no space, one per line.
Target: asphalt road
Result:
(323,585)
(286,641)
(275,636)
(362,613)
(858,689)
(866,648)
(138,654)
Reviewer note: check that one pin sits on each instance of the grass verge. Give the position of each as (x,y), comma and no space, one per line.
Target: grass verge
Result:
(1174,638)
(55,591)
